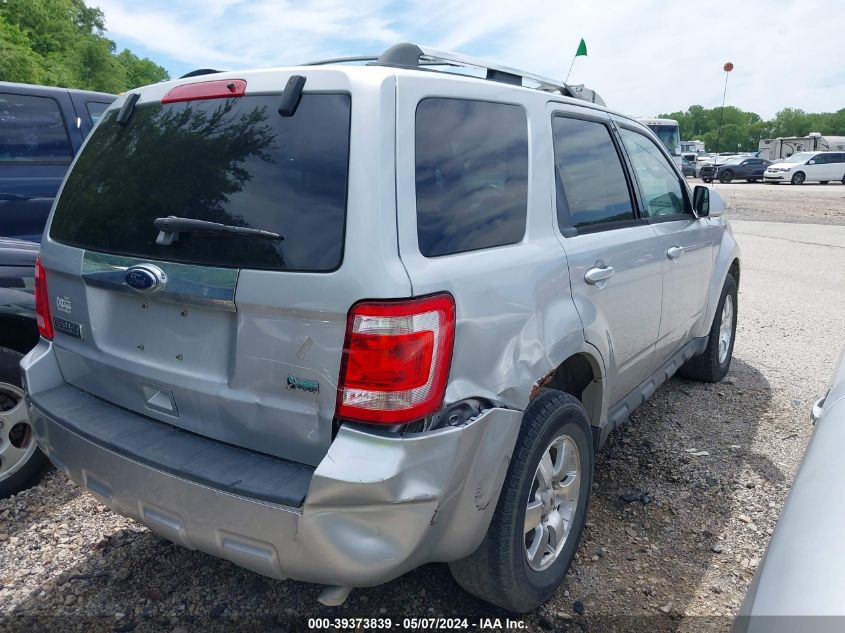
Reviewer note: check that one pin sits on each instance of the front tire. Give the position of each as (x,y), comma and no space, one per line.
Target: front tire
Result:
(798,178)
(542,507)
(21,462)
(726,176)
(708,180)
(715,361)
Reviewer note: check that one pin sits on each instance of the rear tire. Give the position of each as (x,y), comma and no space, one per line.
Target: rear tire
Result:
(715,361)
(798,178)
(505,570)
(21,462)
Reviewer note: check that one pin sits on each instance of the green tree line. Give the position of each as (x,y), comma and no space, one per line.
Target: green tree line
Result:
(61,43)
(742,130)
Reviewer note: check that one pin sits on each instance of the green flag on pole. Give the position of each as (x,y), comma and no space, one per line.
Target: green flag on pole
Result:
(582,49)
(581,52)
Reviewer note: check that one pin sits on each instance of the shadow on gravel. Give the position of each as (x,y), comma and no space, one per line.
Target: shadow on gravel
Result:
(665,503)
(656,521)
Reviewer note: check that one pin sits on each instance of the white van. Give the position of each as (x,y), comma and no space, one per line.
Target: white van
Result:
(805,166)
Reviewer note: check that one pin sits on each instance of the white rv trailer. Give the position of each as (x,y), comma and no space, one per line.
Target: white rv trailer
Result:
(785,146)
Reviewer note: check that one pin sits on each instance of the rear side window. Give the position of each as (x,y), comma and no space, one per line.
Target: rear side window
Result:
(232,161)
(95,109)
(32,129)
(590,182)
(471,175)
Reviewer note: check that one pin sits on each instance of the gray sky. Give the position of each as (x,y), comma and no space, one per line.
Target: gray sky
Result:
(645,56)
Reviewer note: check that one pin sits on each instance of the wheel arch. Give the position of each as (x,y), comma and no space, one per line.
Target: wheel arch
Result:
(581,375)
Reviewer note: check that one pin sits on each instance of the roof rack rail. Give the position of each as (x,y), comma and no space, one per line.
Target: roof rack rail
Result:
(343,60)
(413,56)
(200,71)
(374,60)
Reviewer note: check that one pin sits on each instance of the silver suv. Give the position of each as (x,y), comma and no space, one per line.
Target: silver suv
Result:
(333,322)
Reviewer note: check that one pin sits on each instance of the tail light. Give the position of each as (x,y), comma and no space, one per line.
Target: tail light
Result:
(42,302)
(396,359)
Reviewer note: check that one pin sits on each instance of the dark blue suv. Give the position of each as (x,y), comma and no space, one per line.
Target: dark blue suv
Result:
(41,130)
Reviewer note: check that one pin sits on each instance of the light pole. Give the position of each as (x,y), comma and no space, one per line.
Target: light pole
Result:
(728,67)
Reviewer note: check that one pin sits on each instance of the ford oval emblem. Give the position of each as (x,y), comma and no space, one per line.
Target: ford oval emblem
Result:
(145,278)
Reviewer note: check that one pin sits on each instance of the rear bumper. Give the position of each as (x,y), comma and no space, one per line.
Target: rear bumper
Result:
(376,506)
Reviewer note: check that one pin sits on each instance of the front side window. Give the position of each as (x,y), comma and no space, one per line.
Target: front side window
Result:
(660,186)
(32,130)
(471,175)
(590,182)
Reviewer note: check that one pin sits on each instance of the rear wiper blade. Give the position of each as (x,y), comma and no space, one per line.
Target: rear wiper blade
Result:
(170,227)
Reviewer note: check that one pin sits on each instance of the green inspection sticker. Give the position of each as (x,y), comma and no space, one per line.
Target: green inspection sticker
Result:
(302,384)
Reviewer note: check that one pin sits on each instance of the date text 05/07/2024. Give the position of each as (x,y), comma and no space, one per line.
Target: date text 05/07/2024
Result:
(416,624)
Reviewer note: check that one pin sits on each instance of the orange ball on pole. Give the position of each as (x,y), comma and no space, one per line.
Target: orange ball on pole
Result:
(728,67)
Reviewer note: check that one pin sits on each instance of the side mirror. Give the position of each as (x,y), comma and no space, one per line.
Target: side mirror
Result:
(701,201)
(812,162)
(717,204)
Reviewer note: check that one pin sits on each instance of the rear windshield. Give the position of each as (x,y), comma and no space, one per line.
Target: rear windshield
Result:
(233,161)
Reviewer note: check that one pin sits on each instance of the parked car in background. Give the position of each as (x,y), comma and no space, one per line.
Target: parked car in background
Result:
(708,160)
(804,167)
(41,130)
(368,322)
(802,575)
(21,462)
(687,167)
(735,168)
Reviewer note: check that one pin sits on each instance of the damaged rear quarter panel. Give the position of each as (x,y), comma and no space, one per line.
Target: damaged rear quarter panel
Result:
(380,505)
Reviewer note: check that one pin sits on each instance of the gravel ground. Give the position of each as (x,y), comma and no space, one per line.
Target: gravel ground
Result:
(673,537)
(812,203)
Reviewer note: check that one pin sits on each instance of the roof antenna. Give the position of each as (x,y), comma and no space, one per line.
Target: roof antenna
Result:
(291,95)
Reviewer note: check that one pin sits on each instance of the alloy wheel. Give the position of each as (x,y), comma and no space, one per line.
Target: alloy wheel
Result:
(16,441)
(552,502)
(726,328)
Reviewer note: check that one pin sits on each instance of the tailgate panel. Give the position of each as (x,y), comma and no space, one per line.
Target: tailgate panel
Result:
(191,357)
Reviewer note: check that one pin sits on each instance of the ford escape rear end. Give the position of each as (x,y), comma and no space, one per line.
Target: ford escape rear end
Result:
(334,322)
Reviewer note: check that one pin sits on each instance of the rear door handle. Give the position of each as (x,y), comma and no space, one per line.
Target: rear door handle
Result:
(675,252)
(596,275)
